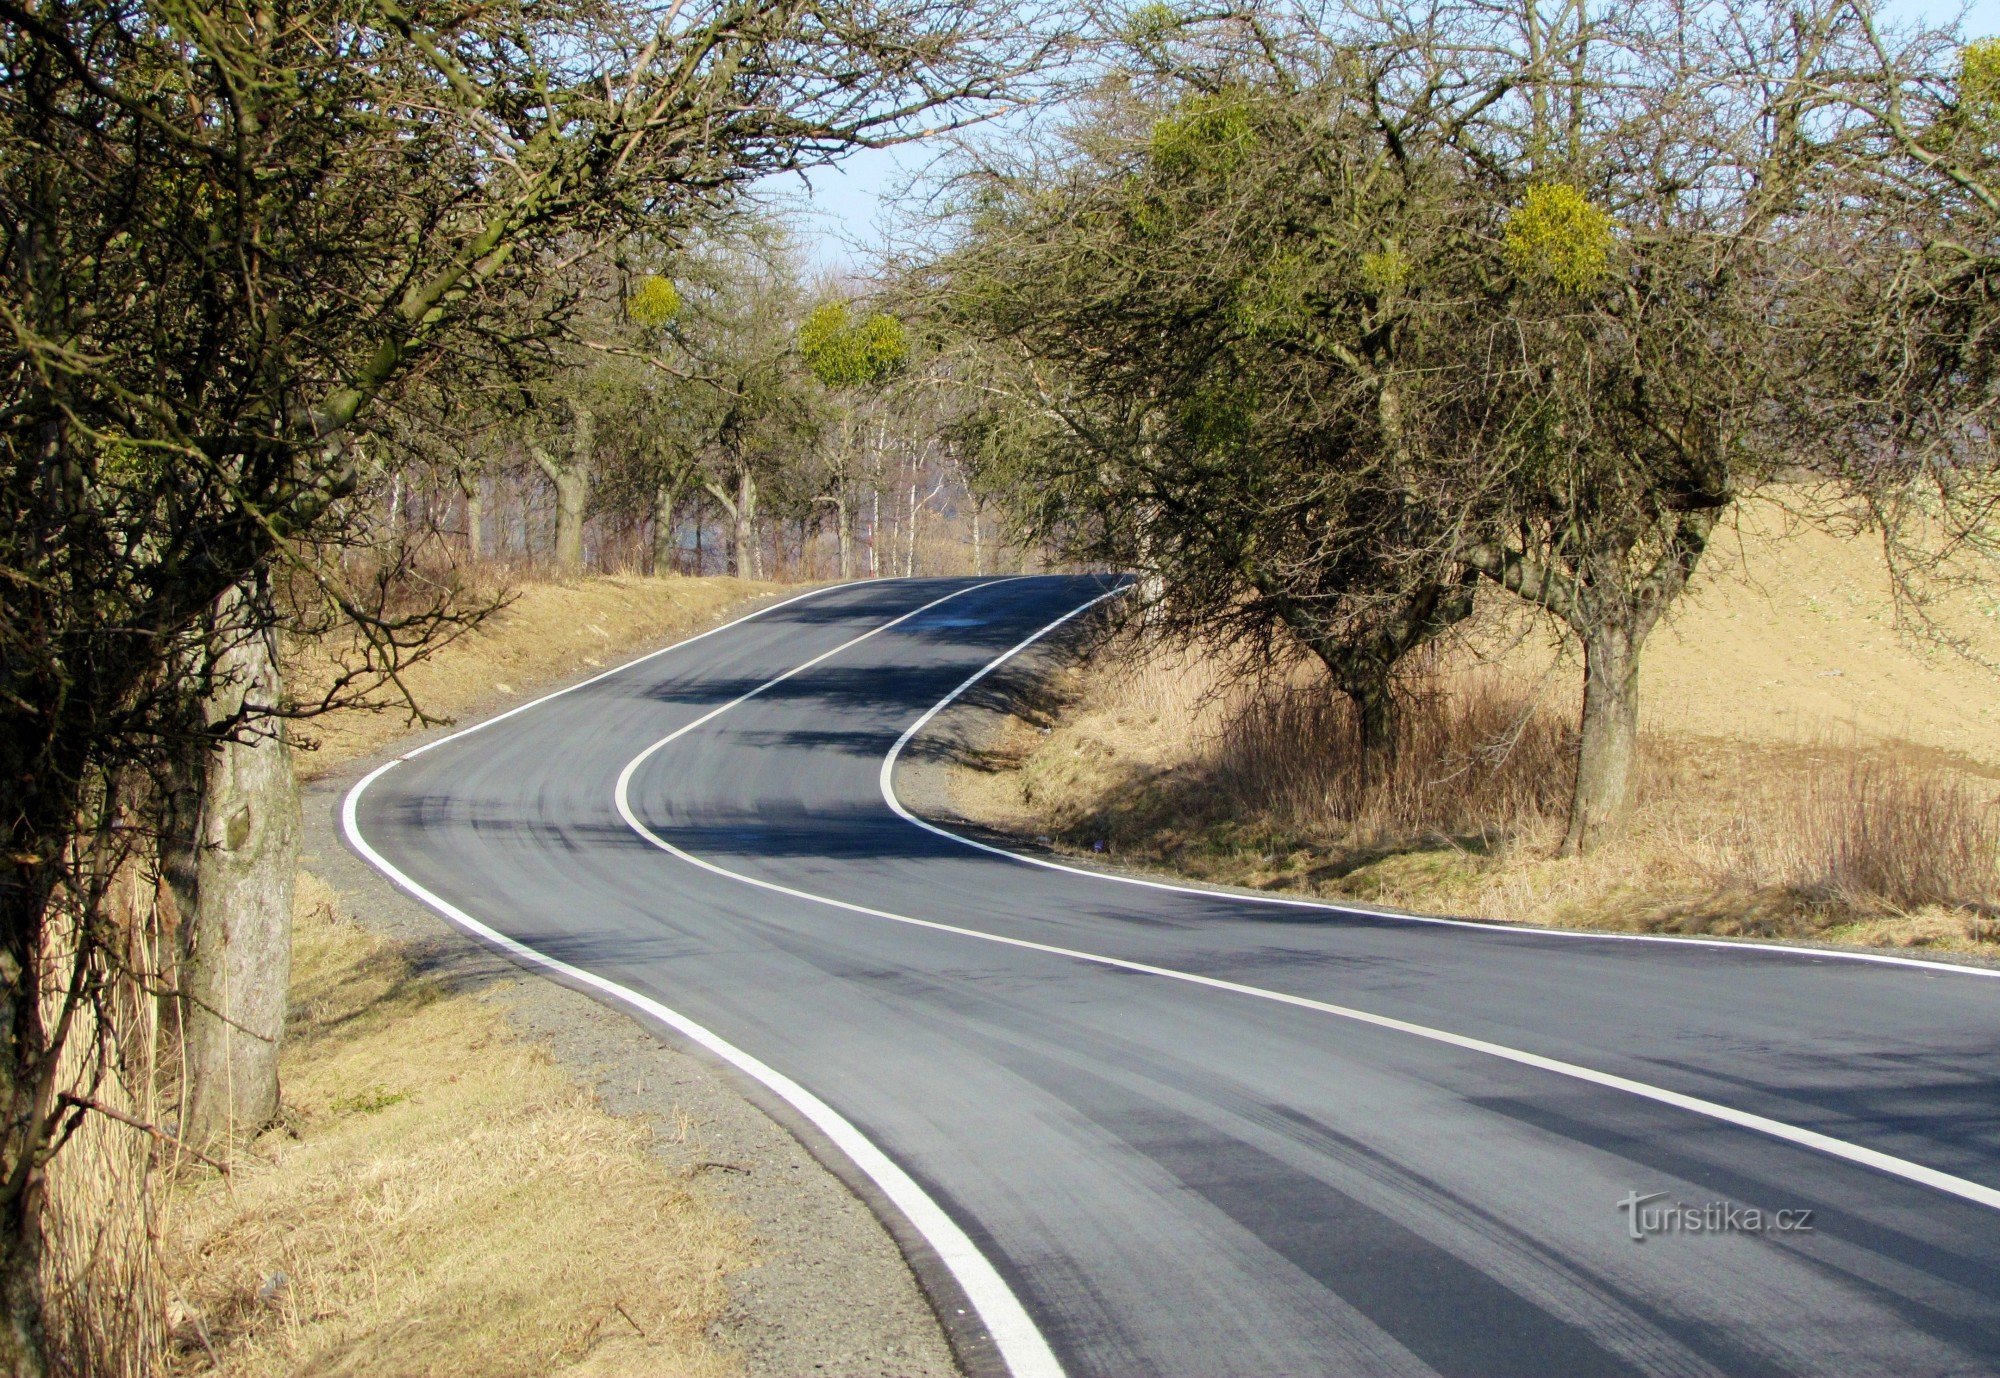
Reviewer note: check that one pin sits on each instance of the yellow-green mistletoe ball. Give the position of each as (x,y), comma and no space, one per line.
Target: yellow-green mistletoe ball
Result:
(1559,236)
(654,302)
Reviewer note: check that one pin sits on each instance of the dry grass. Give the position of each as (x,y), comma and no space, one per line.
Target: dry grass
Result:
(102,1262)
(443,1200)
(1160,760)
(1871,835)
(1478,764)
(546,632)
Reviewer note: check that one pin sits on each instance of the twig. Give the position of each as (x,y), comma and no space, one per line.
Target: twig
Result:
(629,1321)
(207,1345)
(86,1103)
(722,1167)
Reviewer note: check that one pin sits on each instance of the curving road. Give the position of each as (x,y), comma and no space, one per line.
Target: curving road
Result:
(1144,1130)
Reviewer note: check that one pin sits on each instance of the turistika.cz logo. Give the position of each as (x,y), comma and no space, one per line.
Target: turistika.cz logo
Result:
(1643,1218)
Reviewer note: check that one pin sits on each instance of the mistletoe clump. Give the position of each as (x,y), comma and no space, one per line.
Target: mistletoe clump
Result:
(844,353)
(1558,236)
(654,302)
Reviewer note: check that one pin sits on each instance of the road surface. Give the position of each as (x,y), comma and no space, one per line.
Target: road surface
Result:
(1158,1131)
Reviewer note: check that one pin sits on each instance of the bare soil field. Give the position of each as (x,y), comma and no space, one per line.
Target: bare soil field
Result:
(1808,770)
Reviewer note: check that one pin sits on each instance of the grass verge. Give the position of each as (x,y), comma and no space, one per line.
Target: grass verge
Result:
(1160,759)
(441,1199)
(546,632)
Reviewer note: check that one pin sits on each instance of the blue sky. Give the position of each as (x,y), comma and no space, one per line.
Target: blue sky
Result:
(844,204)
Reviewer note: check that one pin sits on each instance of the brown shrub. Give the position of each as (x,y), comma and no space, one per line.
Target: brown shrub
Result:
(1480,760)
(1877,834)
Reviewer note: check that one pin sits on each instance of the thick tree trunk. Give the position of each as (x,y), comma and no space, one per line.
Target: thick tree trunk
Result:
(1367,681)
(1375,715)
(572,488)
(237,942)
(572,483)
(1609,737)
(663,530)
(844,534)
(22,1052)
(22,1337)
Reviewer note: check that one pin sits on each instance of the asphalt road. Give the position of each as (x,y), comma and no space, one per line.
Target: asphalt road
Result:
(1410,1162)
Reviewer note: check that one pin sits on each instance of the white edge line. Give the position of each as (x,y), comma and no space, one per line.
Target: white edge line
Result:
(1975,1192)
(1019,1341)
(1498,930)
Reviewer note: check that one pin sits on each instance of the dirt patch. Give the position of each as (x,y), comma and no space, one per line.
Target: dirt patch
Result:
(547,631)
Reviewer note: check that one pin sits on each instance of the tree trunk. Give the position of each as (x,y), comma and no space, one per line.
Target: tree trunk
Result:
(844,534)
(1375,715)
(572,483)
(1609,737)
(571,489)
(1613,615)
(23,1052)
(22,1337)
(749,561)
(875,523)
(475,521)
(663,530)
(237,942)
(978,558)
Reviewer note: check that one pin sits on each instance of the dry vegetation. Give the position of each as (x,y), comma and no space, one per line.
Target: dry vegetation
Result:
(1805,772)
(546,631)
(441,1199)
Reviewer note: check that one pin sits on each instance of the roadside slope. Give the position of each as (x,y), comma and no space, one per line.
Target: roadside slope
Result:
(1781,703)
(547,632)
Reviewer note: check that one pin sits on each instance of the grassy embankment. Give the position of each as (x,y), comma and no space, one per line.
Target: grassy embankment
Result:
(1806,771)
(442,1198)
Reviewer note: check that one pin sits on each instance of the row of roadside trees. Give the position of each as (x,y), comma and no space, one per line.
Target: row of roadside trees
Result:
(716,408)
(1324,317)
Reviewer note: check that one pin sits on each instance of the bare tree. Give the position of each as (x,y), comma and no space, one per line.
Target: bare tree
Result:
(1316,311)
